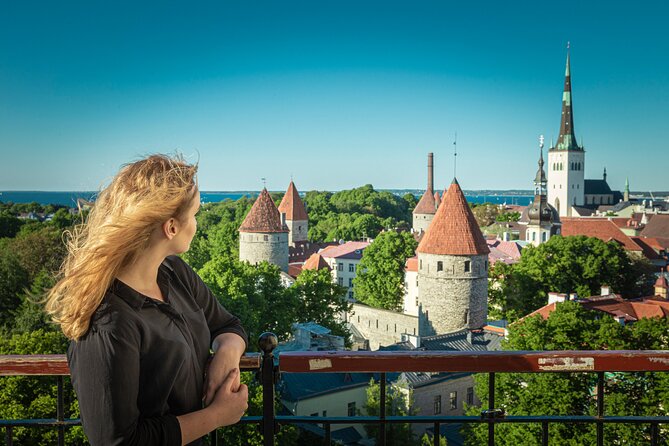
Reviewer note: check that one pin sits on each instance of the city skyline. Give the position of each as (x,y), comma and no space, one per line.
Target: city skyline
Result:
(333,94)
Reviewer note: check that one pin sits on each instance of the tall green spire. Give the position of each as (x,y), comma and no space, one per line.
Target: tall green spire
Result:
(567,138)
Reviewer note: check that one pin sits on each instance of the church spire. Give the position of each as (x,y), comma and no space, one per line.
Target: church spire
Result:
(540,178)
(567,138)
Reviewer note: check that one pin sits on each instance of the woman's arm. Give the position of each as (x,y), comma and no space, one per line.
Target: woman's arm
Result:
(228,349)
(228,405)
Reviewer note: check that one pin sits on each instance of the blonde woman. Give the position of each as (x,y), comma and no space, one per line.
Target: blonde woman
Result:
(140,319)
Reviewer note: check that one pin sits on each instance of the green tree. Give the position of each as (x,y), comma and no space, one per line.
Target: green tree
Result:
(9,225)
(13,279)
(571,327)
(321,301)
(25,397)
(380,279)
(399,402)
(569,265)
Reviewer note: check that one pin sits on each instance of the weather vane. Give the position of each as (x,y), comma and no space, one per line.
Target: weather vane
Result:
(455,155)
(264,182)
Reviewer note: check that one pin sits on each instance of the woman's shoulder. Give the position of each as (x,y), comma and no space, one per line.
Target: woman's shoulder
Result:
(113,315)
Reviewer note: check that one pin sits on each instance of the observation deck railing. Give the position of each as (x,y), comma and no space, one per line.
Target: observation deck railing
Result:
(597,362)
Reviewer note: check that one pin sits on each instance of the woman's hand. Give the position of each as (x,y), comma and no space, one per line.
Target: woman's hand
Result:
(228,405)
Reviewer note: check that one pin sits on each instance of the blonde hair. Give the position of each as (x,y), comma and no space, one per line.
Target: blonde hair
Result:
(142,196)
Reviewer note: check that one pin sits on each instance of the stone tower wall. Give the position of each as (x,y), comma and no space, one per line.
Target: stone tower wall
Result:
(452,299)
(422,222)
(298,231)
(254,247)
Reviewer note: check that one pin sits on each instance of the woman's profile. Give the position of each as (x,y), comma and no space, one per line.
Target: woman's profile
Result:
(141,321)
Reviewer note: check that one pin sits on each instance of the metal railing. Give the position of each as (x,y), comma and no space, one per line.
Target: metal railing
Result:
(597,362)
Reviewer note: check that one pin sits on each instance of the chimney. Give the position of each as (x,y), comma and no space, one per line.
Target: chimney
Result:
(556,297)
(283,218)
(430,172)
(606,290)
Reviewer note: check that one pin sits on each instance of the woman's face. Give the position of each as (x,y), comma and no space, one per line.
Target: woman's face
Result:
(188,226)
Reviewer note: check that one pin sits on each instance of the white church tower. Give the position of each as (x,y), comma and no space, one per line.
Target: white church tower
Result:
(566,160)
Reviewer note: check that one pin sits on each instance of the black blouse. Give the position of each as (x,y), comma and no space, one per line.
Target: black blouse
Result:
(142,362)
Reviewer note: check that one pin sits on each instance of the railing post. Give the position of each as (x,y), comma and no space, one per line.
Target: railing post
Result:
(9,436)
(600,408)
(491,407)
(60,412)
(267,344)
(382,410)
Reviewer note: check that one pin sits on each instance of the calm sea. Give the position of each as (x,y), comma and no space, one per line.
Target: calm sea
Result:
(70,198)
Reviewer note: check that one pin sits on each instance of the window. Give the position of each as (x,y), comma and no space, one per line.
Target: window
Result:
(468,266)
(340,266)
(470,396)
(534,236)
(350,296)
(466,319)
(377,323)
(340,281)
(437,404)
(265,237)
(350,282)
(351,409)
(543,237)
(358,318)
(315,414)
(351,268)
(440,266)
(325,413)
(454,400)
(421,263)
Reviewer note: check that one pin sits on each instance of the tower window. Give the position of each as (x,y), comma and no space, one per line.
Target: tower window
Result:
(466,318)
(265,237)
(440,266)
(468,266)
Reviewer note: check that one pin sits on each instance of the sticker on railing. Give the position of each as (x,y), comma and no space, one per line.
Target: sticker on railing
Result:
(566,364)
(318,364)
(664,361)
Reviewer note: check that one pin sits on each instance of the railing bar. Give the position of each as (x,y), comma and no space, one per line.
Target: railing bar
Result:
(213,437)
(600,408)
(60,412)
(491,406)
(437,433)
(382,410)
(544,433)
(328,436)
(9,440)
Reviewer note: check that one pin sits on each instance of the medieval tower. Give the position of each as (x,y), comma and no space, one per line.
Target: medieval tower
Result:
(424,211)
(263,236)
(452,269)
(566,160)
(295,215)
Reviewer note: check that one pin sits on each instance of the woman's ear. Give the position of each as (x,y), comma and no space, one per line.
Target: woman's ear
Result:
(170,228)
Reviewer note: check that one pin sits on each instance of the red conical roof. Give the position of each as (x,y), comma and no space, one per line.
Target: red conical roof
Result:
(661,282)
(316,261)
(292,205)
(426,204)
(453,230)
(263,216)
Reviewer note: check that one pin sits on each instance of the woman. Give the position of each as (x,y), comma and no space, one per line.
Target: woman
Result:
(140,319)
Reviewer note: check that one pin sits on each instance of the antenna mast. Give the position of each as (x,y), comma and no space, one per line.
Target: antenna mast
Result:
(455,155)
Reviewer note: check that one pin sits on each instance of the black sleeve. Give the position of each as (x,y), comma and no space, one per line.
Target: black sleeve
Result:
(219,319)
(105,375)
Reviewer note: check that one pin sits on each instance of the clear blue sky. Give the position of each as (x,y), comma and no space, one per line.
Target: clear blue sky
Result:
(336,93)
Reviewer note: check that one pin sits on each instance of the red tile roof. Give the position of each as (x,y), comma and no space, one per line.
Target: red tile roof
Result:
(629,310)
(603,229)
(343,249)
(411,264)
(657,227)
(661,282)
(292,205)
(316,261)
(648,250)
(294,270)
(263,216)
(426,205)
(454,230)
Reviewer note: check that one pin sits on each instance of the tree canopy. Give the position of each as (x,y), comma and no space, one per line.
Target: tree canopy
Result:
(571,327)
(380,278)
(566,265)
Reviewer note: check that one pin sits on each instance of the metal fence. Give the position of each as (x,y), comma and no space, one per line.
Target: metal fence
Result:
(597,362)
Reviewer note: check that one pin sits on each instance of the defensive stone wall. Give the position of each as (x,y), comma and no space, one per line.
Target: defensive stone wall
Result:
(382,327)
(254,247)
(453,294)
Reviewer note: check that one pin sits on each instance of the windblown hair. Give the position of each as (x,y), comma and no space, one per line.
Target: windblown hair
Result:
(141,197)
